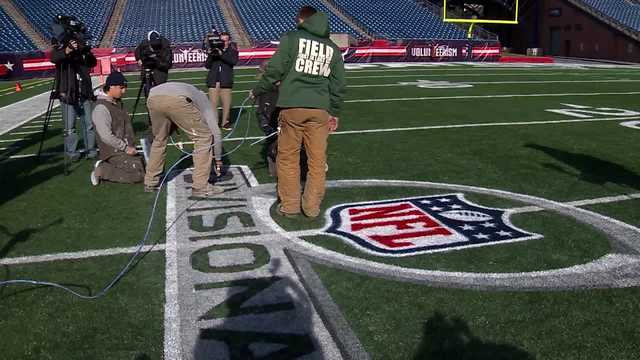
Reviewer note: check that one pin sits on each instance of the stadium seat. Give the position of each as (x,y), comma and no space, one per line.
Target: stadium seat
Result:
(400,19)
(13,39)
(625,12)
(181,21)
(95,14)
(268,19)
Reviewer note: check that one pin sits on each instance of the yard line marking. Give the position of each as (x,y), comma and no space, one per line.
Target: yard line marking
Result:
(24,133)
(78,255)
(497,96)
(476,74)
(172,246)
(11,140)
(172,338)
(415,128)
(504,82)
(579,203)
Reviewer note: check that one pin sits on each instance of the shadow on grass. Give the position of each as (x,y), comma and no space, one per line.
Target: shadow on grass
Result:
(451,339)
(590,168)
(21,236)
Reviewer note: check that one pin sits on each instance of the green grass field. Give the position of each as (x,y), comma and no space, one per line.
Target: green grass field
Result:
(494,133)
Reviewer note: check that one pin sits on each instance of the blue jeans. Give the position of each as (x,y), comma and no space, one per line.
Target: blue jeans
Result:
(69,113)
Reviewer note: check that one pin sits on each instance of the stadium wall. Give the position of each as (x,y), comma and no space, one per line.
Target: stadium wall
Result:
(37,64)
(562,29)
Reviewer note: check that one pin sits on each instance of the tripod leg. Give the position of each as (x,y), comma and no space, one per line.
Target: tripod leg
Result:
(135,106)
(45,127)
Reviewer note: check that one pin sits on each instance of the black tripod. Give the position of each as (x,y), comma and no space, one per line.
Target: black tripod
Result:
(147,83)
(47,120)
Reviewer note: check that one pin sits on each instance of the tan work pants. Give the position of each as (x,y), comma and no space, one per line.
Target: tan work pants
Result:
(225,97)
(165,110)
(309,127)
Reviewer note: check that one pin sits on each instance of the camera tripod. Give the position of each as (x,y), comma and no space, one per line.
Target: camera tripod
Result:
(147,83)
(47,121)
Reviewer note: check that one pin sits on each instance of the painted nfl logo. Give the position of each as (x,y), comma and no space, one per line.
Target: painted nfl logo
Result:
(412,226)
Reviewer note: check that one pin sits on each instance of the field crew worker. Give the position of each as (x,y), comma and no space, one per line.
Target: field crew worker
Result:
(311,71)
(119,160)
(183,105)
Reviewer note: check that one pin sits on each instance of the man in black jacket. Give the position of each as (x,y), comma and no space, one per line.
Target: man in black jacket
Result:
(74,61)
(156,58)
(220,63)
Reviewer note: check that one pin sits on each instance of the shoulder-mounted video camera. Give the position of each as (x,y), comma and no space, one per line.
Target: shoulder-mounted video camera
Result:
(213,41)
(68,28)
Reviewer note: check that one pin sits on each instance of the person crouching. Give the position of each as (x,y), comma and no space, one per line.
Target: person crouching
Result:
(119,160)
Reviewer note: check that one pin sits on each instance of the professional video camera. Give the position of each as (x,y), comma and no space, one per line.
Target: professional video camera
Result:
(213,41)
(68,28)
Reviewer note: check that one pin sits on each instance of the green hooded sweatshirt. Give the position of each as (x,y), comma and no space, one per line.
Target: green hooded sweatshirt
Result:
(310,67)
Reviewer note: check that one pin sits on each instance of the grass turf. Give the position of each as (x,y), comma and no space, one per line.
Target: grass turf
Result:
(43,211)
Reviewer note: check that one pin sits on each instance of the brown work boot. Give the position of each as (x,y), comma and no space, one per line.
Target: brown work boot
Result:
(208,192)
(285,214)
(311,213)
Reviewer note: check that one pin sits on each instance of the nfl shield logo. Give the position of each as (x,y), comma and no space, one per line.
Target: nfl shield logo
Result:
(421,225)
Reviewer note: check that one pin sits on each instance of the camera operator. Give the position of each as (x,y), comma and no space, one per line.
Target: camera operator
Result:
(222,57)
(73,60)
(156,58)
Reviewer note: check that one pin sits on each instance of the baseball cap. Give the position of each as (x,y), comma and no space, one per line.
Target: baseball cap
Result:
(116,79)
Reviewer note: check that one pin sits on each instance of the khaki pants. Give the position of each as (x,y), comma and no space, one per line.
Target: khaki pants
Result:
(225,96)
(311,128)
(122,168)
(165,110)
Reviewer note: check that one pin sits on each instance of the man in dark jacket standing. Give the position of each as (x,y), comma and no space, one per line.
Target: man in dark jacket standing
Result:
(155,56)
(74,61)
(220,63)
(119,159)
(311,71)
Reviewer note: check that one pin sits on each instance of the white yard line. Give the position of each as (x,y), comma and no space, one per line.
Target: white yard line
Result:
(172,246)
(420,128)
(78,255)
(503,83)
(497,96)
(25,133)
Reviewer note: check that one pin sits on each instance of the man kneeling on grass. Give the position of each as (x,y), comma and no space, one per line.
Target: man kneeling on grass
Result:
(119,159)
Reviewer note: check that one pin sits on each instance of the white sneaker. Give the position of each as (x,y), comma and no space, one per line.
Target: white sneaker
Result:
(95,180)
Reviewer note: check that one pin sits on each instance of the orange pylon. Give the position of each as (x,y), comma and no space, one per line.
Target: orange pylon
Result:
(18,86)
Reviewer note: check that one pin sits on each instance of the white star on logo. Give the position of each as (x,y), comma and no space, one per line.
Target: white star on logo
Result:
(9,65)
(481,236)
(467,227)
(488,225)
(444,200)
(425,202)
(503,233)
(435,208)
(455,206)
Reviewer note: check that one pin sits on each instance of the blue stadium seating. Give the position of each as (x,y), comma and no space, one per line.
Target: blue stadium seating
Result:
(400,19)
(13,39)
(624,12)
(95,14)
(267,19)
(180,21)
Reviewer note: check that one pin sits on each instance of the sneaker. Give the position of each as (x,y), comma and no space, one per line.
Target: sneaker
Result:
(227,127)
(208,192)
(95,178)
(151,189)
(74,156)
(92,154)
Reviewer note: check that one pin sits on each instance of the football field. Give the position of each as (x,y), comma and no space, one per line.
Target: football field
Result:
(472,212)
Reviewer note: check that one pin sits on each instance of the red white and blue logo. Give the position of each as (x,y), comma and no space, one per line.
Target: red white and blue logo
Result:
(412,226)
